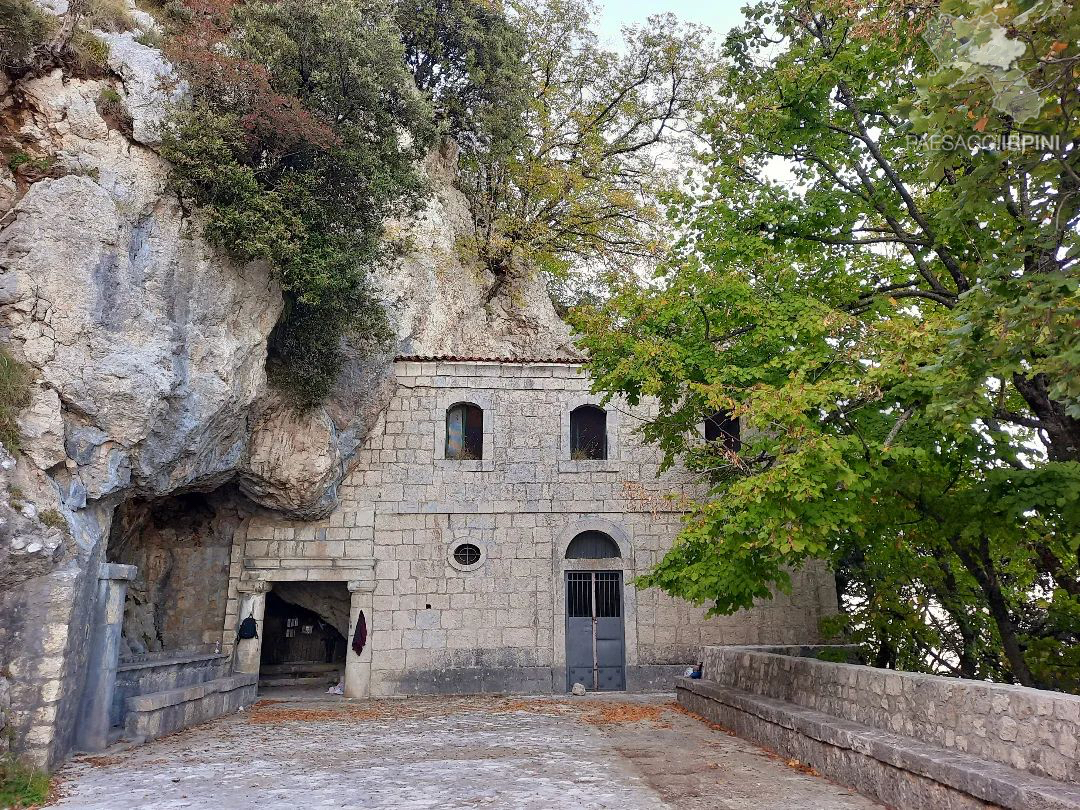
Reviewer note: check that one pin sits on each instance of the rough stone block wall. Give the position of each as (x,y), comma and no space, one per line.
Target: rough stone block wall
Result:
(892,786)
(499,625)
(1027,729)
(44,643)
(42,661)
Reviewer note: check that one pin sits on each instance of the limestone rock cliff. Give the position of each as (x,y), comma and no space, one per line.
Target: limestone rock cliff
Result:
(441,298)
(148,345)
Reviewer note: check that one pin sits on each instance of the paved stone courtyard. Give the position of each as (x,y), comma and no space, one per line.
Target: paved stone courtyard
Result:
(290,751)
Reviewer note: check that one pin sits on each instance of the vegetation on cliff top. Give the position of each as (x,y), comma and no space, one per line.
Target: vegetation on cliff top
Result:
(32,41)
(301,137)
(576,184)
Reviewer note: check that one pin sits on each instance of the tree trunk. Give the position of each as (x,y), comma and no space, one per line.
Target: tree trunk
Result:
(986,576)
(1062,431)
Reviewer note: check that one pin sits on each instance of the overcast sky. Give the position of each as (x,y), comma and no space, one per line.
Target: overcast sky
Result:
(719,15)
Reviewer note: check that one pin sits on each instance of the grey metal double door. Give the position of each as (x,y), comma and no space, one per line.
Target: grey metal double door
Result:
(595,643)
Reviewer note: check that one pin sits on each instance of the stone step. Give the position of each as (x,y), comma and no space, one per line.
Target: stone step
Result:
(314,680)
(298,667)
(159,713)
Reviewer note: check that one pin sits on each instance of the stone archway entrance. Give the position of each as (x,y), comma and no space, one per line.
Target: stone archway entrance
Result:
(253,598)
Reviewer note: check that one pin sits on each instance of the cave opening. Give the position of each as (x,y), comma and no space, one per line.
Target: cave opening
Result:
(304,635)
(181,547)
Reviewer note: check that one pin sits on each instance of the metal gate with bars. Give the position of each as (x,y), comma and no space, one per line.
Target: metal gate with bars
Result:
(595,650)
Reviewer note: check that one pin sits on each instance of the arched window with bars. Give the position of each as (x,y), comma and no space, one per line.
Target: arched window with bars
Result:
(588,433)
(464,432)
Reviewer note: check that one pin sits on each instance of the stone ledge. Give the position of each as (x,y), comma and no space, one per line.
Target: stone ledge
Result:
(304,563)
(1027,729)
(155,715)
(958,773)
(156,701)
(168,661)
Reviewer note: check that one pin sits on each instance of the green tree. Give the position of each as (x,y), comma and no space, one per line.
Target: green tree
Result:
(894,322)
(579,185)
(468,60)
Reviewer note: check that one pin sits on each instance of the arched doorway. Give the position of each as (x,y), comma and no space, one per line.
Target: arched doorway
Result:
(595,633)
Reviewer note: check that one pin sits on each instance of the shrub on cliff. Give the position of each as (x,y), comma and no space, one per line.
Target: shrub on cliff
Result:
(14,396)
(23,29)
(33,42)
(301,138)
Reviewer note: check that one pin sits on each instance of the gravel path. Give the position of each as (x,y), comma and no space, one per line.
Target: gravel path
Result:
(623,751)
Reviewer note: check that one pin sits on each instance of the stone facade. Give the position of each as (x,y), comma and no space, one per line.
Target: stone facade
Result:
(499,625)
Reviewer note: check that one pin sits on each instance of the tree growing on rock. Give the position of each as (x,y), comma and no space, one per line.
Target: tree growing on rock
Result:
(566,146)
(895,323)
(302,137)
(604,131)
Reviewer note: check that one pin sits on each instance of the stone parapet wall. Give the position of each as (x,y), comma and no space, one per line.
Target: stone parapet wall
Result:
(1027,729)
(893,769)
(158,714)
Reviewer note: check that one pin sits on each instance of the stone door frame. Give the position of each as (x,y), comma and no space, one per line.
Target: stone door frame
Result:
(252,602)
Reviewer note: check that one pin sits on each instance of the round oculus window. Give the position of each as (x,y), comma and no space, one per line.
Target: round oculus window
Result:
(467,554)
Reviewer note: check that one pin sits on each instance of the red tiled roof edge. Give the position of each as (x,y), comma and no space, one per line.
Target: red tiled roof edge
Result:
(450,358)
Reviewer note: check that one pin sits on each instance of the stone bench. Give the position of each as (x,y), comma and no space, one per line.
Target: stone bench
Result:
(162,672)
(159,713)
(897,770)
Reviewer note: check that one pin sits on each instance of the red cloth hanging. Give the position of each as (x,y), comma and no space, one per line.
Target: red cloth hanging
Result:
(359,638)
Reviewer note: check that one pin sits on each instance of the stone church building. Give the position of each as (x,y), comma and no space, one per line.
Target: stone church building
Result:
(491,535)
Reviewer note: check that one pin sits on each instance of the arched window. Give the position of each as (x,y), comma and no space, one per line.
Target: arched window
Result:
(592,545)
(588,433)
(724,428)
(464,432)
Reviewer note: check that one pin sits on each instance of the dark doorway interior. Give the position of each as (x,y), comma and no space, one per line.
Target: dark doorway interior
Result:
(299,647)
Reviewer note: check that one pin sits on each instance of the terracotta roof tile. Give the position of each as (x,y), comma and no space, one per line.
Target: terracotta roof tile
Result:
(451,358)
